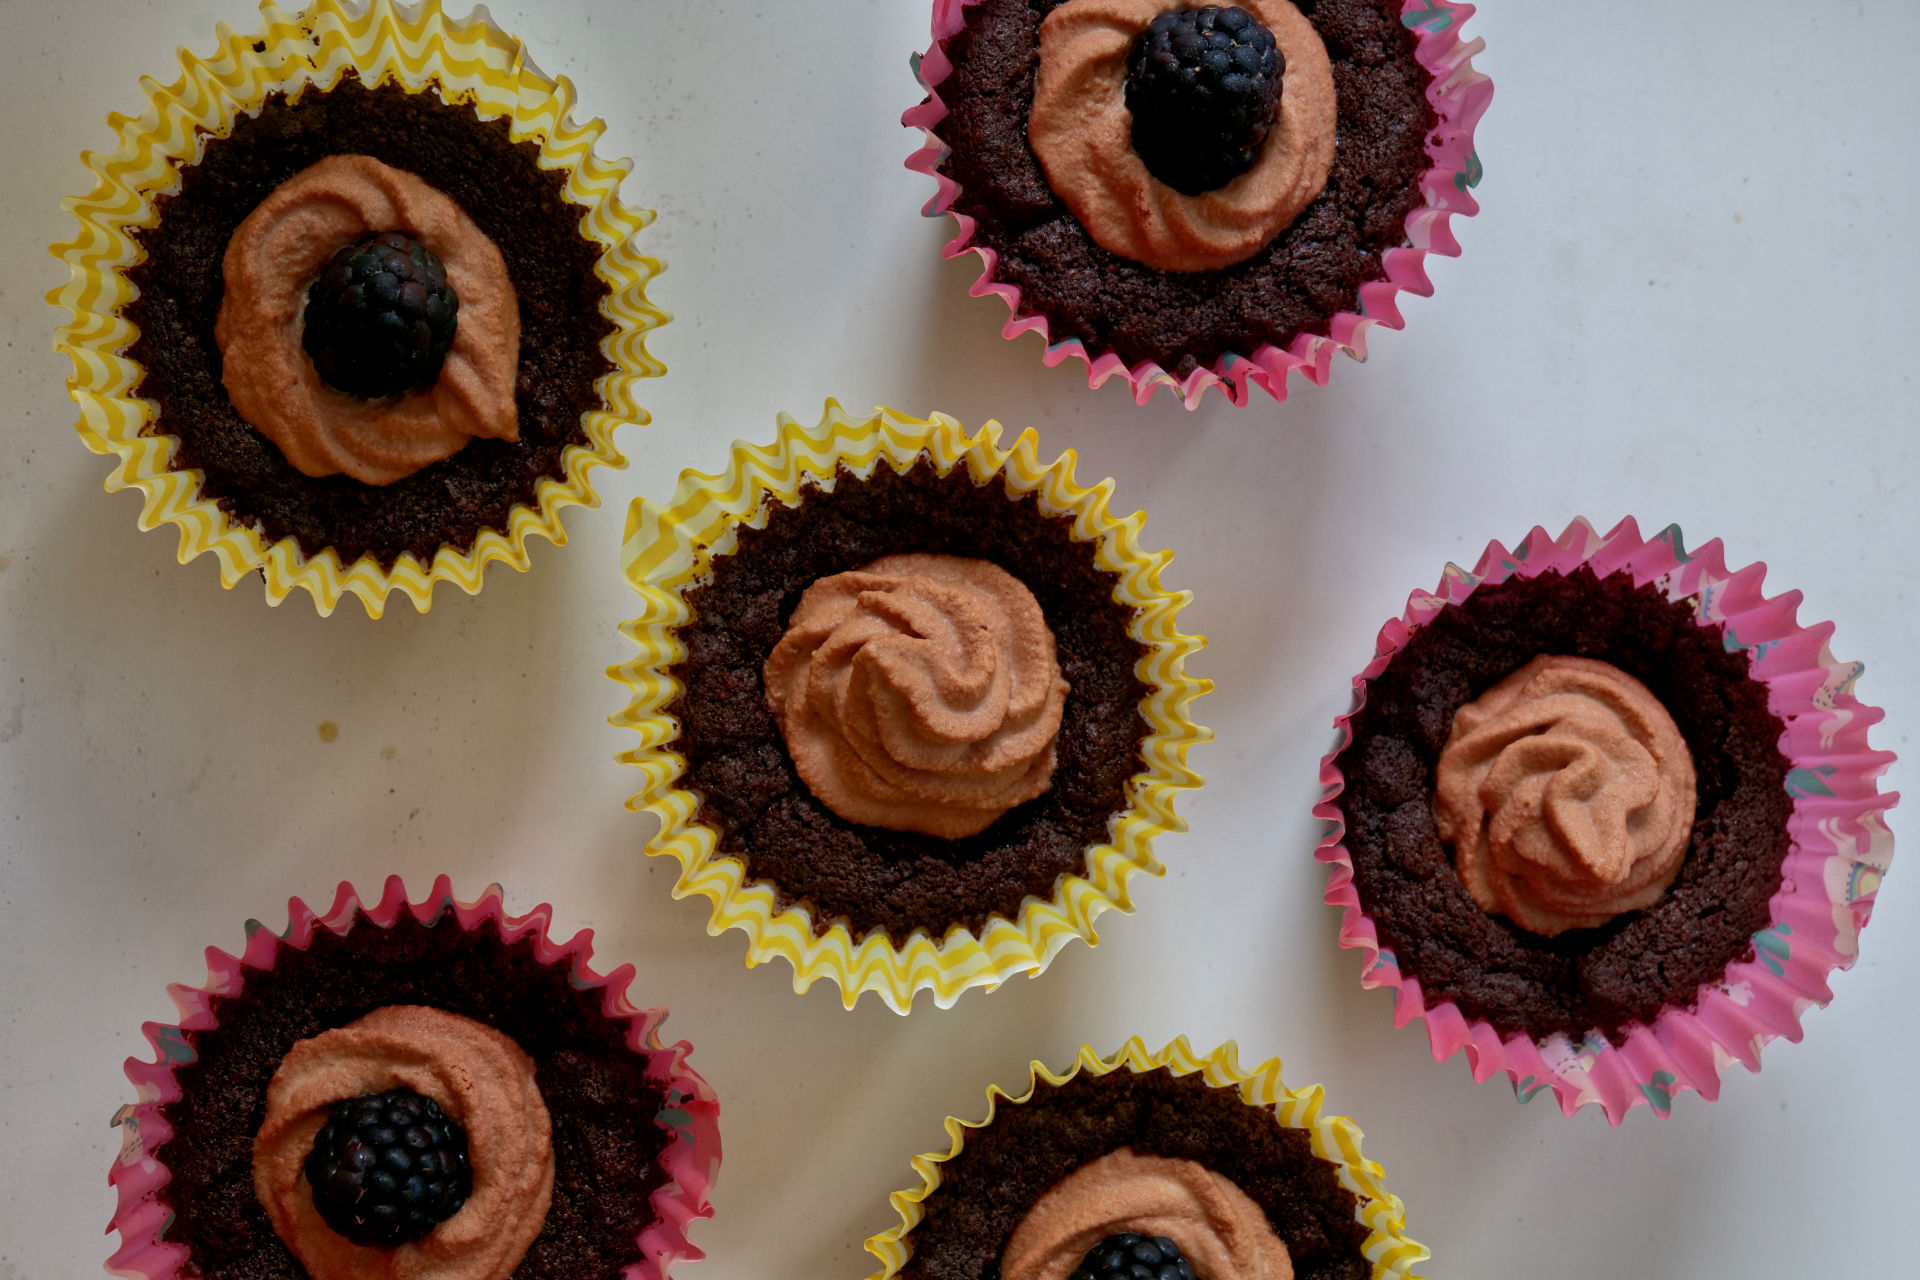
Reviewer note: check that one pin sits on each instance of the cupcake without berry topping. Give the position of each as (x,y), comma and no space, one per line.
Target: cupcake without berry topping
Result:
(913,704)
(1606,816)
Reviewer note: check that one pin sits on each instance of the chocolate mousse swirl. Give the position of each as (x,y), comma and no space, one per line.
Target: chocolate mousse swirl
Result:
(275,254)
(481,1079)
(1567,794)
(1082,133)
(919,693)
(1220,1230)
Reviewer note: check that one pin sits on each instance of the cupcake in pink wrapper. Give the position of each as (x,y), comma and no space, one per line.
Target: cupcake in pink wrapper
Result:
(537,1122)
(1158,236)
(1605,815)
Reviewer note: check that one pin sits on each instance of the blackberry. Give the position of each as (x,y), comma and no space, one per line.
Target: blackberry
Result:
(388,1167)
(381,316)
(1204,88)
(1129,1256)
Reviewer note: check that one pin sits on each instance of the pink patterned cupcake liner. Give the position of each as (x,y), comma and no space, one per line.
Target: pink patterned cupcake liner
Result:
(1839,843)
(140,1174)
(1459,96)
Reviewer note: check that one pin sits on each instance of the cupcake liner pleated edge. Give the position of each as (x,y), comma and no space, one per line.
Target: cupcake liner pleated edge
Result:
(139,1177)
(668,548)
(1459,96)
(468,61)
(1336,1139)
(1839,843)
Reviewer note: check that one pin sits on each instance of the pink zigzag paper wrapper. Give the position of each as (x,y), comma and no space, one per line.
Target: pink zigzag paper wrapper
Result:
(1459,96)
(1391,1254)
(421,48)
(1840,846)
(140,1174)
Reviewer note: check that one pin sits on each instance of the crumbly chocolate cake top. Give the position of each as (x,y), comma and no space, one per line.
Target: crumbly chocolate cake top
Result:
(607,1141)
(1002,1169)
(502,187)
(1627,970)
(1184,320)
(738,764)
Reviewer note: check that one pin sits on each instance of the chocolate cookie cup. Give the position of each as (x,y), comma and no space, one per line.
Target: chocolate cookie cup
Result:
(1631,1001)
(720,570)
(451,101)
(1294,1170)
(634,1141)
(1409,100)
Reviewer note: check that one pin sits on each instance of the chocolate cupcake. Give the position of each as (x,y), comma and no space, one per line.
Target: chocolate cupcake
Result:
(1198,195)
(1151,1159)
(428,1089)
(360,321)
(1605,815)
(913,705)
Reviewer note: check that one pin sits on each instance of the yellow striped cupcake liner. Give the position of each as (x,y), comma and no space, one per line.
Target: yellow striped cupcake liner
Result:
(1336,1139)
(468,60)
(669,548)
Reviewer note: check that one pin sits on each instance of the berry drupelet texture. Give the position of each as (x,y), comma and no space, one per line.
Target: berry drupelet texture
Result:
(1204,88)
(381,317)
(389,1167)
(1129,1256)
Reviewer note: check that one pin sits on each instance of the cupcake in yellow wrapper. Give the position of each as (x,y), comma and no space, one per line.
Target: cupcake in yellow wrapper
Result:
(1169,1144)
(777,873)
(290,61)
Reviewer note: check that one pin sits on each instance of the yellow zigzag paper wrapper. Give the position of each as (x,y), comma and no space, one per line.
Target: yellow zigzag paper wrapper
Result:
(468,61)
(669,549)
(1335,1139)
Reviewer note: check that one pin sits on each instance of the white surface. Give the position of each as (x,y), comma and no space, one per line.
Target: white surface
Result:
(1685,300)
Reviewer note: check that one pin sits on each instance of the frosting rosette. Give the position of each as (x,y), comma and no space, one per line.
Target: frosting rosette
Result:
(920,693)
(1081,131)
(482,1080)
(1219,1229)
(1567,793)
(282,245)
